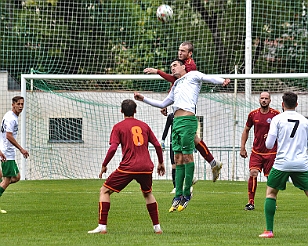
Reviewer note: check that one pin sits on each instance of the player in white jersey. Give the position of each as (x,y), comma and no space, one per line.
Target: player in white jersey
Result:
(290,129)
(184,97)
(8,143)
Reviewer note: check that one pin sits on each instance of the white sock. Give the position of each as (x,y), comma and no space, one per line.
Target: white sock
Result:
(102,227)
(213,163)
(157,227)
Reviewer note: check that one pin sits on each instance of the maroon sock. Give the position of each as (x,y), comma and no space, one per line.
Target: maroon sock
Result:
(153,212)
(204,151)
(252,187)
(103,209)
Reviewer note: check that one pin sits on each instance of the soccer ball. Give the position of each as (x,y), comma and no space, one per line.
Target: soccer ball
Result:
(164,13)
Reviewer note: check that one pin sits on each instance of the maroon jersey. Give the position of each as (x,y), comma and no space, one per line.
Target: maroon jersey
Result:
(134,137)
(261,123)
(190,65)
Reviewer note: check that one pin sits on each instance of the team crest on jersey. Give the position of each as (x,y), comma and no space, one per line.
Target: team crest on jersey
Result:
(268,120)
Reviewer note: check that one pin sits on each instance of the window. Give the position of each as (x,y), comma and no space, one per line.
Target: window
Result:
(65,130)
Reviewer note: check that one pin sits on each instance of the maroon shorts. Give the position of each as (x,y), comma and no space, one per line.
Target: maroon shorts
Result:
(118,180)
(262,162)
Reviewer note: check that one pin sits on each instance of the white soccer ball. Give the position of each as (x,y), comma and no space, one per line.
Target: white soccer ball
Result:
(164,13)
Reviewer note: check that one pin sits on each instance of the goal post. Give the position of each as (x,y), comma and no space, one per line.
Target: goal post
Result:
(67,131)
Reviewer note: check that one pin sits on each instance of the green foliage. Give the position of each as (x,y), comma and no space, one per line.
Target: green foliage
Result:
(60,212)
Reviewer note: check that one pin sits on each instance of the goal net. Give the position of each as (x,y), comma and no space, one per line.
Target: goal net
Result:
(67,131)
(69,120)
(124,36)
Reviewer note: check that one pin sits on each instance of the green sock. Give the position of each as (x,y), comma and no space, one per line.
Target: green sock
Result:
(269,210)
(1,191)
(189,174)
(179,179)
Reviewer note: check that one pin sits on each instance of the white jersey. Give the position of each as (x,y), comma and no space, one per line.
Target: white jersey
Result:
(185,91)
(9,124)
(291,131)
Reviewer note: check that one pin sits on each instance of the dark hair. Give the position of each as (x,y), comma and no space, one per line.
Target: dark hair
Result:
(189,44)
(16,99)
(128,107)
(178,60)
(289,99)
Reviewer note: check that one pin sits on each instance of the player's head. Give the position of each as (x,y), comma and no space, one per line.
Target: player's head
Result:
(265,99)
(128,107)
(186,50)
(289,100)
(178,68)
(17,104)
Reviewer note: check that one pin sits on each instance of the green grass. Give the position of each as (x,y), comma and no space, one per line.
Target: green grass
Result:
(60,212)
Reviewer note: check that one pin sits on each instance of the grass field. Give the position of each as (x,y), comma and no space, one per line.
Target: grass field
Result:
(60,212)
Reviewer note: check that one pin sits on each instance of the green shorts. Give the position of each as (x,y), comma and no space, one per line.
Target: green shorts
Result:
(184,129)
(278,179)
(10,168)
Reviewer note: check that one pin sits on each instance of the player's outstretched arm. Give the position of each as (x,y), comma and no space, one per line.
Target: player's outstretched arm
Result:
(155,103)
(168,77)
(150,70)
(226,82)
(138,96)
(214,79)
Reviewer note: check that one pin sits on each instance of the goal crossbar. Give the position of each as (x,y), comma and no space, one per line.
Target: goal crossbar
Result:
(156,77)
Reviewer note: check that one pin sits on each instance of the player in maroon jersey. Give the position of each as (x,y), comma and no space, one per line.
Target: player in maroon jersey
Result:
(185,53)
(134,137)
(261,158)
